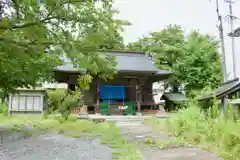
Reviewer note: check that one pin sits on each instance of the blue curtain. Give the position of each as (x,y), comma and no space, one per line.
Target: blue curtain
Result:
(112,92)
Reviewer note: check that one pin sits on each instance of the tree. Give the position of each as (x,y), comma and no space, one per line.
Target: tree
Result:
(34,36)
(167,43)
(113,40)
(194,60)
(201,63)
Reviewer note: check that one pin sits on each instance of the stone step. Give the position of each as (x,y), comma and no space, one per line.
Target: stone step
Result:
(121,118)
(124,120)
(118,121)
(126,117)
(127,124)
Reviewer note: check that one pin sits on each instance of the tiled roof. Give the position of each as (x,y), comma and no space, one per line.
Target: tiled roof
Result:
(175,97)
(225,89)
(126,62)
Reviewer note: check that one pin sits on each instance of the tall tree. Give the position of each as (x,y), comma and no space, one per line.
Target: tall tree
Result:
(201,63)
(167,43)
(194,60)
(34,35)
(112,38)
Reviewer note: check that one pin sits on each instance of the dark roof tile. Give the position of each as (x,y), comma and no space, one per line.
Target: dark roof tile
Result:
(126,62)
(175,97)
(225,89)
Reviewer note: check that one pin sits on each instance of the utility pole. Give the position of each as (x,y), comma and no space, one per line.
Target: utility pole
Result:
(231,20)
(221,36)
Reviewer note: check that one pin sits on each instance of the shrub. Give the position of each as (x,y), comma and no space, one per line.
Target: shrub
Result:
(63,101)
(208,128)
(3,108)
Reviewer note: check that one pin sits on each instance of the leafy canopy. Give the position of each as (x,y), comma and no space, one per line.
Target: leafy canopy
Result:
(33,37)
(201,63)
(194,59)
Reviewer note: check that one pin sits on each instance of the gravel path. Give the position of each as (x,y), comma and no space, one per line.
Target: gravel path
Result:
(52,147)
(139,133)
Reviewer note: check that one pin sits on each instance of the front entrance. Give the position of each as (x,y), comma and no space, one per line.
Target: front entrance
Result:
(113,101)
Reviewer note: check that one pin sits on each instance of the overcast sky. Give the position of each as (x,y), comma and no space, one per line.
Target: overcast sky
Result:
(152,15)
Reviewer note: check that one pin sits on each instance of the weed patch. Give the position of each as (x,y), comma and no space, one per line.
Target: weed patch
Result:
(205,129)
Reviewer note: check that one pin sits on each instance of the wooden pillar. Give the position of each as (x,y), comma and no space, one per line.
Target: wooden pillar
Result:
(98,99)
(138,97)
(223,106)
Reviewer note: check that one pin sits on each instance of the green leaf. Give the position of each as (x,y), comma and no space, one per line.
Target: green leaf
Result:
(34,38)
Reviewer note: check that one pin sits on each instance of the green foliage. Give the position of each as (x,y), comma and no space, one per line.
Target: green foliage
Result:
(194,59)
(84,82)
(2,96)
(63,101)
(208,129)
(196,94)
(167,43)
(24,70)
(200,63)
(3,108)
(34,36)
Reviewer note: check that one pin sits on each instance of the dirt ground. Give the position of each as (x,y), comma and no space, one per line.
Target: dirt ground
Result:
(51,146)
(138,133)
(55,146)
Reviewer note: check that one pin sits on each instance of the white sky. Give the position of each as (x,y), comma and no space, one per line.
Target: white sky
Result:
(152,15)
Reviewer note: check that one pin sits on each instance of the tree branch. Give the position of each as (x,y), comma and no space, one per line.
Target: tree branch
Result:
(26,44)
(47,18)
(17,7)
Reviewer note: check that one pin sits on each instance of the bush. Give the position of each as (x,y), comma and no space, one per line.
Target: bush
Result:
(3,108)
(216,133)
(63,101)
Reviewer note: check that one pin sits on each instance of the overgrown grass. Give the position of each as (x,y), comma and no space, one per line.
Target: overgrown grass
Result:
(108,133)
(163,144)
(207,130)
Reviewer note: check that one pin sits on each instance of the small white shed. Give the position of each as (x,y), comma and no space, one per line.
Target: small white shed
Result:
(27,101)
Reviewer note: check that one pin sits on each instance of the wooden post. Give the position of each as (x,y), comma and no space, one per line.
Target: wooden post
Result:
(98,101)
(223,106)
(138,99)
